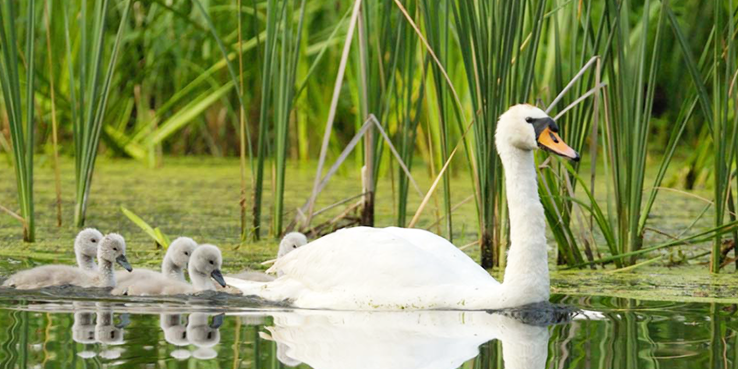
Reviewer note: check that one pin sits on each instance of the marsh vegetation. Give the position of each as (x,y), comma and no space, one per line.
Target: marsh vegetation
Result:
(404,92)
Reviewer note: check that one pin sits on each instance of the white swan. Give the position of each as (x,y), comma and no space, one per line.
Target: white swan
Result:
(291,241)
(396,268)
(112,250)
(172,266)
(85,248)
(204,267)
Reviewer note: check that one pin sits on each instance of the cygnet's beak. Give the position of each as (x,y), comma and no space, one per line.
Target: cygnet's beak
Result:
(548,139)
(217,321)
(124,321)
(218,277)
(124,263)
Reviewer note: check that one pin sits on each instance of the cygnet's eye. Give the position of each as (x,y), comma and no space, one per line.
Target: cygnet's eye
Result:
(93,240)
(187,253)
(115,249)
(529,120)
(212,262)
(294,246)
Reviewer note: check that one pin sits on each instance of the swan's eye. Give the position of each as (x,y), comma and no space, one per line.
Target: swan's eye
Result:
(294,246)
(529,120)
(93,240)
(211,262)
(115,249)
(187,253)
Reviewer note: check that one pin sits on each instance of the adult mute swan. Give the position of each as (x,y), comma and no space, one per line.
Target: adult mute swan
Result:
(394,268)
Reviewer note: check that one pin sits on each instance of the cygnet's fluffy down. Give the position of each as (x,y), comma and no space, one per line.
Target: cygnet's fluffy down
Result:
(85,248)
(204,268)
(112,250)
(291,241)
(172,267)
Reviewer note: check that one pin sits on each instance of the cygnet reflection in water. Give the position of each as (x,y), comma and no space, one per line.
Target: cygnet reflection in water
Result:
(200,329)
(96,323)
(417,339)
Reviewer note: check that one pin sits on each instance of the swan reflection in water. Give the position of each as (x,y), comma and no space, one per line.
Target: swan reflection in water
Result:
(350,340)
(419,339)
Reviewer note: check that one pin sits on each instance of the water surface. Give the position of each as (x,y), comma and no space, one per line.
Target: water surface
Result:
(43,330)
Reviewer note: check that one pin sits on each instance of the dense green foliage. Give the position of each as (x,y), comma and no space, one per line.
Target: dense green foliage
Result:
(278,80)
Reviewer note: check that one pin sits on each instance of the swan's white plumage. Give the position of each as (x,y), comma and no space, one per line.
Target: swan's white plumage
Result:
(365,268)
(397,268)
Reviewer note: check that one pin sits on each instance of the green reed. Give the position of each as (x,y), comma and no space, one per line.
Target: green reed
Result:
(499,65)
(717,67)
(89,90)
(20,121)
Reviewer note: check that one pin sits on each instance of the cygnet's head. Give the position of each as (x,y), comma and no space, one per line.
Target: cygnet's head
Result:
(180,250)
(526,127)
(291,242)
(87,241)
(113,250)
(207,260)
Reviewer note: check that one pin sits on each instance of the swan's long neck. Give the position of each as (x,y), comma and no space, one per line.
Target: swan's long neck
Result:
(106,273)
(171,270)
(526,276)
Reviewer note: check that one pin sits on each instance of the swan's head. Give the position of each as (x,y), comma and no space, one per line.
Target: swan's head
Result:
(113,250)
(290,242)
(207,260)
(87,241)
(527,128)
(180,250)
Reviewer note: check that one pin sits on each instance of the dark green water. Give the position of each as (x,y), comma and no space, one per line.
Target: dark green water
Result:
(41,332)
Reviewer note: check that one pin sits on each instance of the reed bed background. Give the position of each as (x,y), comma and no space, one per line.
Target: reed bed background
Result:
(389,88)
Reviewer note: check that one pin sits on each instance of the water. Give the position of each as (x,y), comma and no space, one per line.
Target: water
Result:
(39,330)
(45,330)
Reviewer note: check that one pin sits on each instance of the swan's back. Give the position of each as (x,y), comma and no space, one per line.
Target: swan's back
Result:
(383,268)
(52,275)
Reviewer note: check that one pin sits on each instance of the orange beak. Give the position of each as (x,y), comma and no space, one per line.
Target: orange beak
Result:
(550,141)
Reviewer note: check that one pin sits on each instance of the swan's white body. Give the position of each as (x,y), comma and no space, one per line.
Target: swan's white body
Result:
(395,268)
